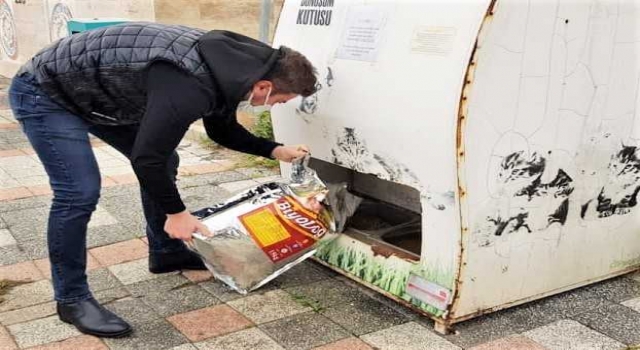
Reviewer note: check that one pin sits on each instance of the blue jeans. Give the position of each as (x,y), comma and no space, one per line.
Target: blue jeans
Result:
(61,140)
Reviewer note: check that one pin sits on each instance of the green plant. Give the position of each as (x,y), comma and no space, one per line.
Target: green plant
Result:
(387,276)
(307,302)
(262,128)
(208,143)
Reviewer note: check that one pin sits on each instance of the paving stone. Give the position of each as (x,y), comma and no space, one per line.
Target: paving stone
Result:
(35,249)
(187,346)
(27,295)
(616,289)
(27,224)
(120,252)
(180,300)
(364,316)
(164,283)
(101,217)
(238,186)
(37,180)
(409,336)
(570,335)
(42,331)
(408,313)
(6,340)
(23,272)
(267,179)
(258,172)
(248,339)
(226,294)
(210,179)
(129,191)
(12,254)
(102,279)
(156,334)
(634,304)
(6,239)
(25,203)
(220,290)
(303,273)
(133,271)
(28,313)
(196,198)
(635,276)
(83,342)
(304,331)
(516,342)
(197,276)
(525,317)
(346,344)
(161,284)
(262,308)
(133,310)
(103,235)
(327,293)
(109,295)
(615,321)
(116,171)
(209,322)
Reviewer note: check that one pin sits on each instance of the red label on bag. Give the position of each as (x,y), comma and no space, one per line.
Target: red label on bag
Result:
(283,228)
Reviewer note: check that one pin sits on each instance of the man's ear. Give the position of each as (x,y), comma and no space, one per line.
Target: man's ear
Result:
(263,85)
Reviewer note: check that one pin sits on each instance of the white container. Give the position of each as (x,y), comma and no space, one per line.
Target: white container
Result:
(517,124)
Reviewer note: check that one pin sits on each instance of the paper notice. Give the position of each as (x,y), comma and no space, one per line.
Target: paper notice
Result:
(362,32)
(433,40)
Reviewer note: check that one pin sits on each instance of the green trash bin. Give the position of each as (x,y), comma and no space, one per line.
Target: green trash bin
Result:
(78,25)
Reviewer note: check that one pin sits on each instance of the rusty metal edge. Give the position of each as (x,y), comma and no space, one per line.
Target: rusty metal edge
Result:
(380,247)
(460,159)
(544,295)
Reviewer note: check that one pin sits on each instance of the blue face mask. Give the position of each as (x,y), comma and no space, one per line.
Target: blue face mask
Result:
(247,107)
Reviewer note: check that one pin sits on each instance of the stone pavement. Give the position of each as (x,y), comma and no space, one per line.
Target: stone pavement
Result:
(309,307)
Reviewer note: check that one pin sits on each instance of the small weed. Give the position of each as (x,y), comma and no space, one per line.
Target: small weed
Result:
(251,161)
(263,128)
(6,285)
(208,143)
(633,347)
(307,302)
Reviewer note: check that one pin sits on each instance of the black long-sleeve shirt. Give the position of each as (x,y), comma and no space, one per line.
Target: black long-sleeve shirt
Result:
(174,101)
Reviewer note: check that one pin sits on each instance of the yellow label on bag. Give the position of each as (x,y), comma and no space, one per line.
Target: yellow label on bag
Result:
(283,228)
(265,227)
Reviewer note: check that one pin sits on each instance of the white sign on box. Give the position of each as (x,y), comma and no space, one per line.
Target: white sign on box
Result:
(428,292)
(362,33)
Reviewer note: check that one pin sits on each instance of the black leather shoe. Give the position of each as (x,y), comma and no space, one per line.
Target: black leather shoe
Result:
(169,262)
(92,318)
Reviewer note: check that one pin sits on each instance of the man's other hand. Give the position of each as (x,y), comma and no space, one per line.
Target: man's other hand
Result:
(290,153)
(183,225)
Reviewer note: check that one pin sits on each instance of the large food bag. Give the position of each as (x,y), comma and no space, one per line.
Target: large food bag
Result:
(265,230)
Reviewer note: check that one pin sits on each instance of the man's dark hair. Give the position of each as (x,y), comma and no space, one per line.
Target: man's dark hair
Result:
(292,74)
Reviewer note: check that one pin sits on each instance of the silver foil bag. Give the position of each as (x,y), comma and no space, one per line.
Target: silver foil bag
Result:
(265,230)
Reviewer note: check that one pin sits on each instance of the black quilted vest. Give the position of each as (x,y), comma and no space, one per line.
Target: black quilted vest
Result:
(100,74)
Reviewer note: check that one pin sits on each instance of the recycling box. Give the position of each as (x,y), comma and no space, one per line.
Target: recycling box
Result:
(78,25)
(495,144)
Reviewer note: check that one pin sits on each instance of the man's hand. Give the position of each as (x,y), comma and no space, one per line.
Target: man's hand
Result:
(182,225)
(289,153)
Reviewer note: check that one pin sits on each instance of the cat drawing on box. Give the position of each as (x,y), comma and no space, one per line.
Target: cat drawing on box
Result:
(532,197)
